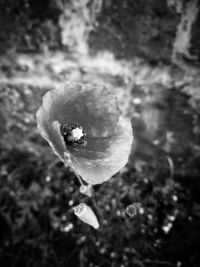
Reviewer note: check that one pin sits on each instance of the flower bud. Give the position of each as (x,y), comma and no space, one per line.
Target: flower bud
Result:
(86,214)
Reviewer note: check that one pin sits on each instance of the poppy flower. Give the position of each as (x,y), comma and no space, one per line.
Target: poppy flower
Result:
(82,123)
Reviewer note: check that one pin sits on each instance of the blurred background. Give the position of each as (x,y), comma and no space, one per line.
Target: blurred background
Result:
(148,53)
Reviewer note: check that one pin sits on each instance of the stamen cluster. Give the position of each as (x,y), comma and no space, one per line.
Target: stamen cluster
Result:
(73,134)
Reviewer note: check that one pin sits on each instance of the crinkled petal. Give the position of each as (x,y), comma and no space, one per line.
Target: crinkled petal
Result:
(103,165)
(92,106)
(51,132)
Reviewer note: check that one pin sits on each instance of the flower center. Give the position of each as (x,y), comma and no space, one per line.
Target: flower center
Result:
(73,134)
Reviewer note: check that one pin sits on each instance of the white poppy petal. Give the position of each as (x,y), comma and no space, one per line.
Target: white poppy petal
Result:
(98,170)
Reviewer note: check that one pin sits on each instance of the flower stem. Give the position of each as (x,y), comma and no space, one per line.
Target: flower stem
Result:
(79,178)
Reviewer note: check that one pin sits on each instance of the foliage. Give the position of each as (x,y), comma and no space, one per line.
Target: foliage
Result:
(37,193)
(149,213)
